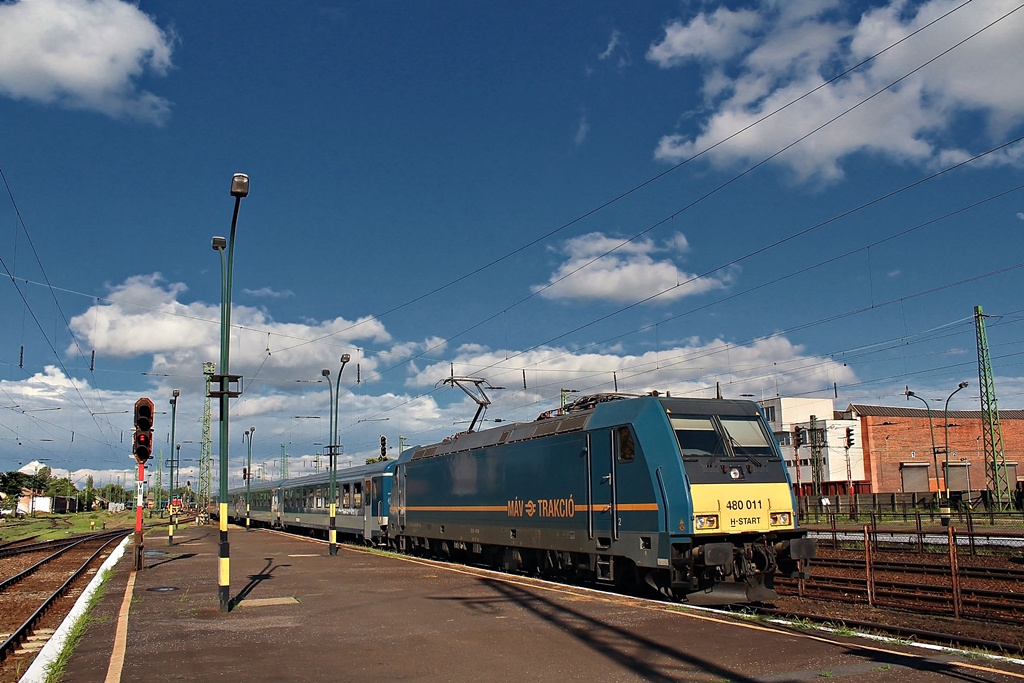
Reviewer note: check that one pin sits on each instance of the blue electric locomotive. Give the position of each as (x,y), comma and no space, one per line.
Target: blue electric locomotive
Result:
(688,495)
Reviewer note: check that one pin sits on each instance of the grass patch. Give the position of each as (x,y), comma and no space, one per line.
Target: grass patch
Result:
(49,527)
(55,671)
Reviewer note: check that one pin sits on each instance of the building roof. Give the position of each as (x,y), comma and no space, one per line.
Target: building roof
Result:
(863,410)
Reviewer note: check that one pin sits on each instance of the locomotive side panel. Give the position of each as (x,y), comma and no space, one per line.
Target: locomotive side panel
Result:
(529,494)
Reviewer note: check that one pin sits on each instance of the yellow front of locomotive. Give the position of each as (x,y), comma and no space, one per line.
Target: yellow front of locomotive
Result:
(742,523)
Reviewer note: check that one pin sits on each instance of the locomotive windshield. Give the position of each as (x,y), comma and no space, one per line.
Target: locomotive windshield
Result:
(713,440)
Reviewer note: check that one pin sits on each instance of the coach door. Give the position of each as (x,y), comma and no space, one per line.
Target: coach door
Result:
(398,495)
(275,507)
(601,495)
(368,508)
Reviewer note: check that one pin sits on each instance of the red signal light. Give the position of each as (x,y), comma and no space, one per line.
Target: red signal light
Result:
(142,442)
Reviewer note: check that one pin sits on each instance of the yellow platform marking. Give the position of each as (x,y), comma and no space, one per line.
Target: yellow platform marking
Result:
(267,602)
(121,635)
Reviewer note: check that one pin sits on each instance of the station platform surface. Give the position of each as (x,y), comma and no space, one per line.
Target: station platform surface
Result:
(302,615)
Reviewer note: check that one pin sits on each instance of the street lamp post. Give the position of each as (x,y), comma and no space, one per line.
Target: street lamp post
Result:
(945,424)
(174,413)
(239,189)
(333,448)
(931,429)
(170,484)
(248,475)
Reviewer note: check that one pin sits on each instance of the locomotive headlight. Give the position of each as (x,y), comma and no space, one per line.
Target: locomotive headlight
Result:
(703,522)
(780,518)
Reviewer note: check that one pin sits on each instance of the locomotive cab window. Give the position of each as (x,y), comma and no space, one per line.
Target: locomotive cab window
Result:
(697,437)
(626,445)
(748,439)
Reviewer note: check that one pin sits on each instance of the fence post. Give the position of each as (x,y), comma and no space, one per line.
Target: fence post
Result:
(954,572)
(868,573)
(835,542)
(970,530)
(921,536)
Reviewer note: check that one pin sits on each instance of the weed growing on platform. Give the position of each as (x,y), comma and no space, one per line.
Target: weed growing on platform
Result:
(55,671)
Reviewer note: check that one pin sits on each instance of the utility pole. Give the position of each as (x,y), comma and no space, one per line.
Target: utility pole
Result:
(205,446)
(814,434)
(991,429)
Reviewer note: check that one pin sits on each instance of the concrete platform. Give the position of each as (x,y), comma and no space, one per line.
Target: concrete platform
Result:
(302,615)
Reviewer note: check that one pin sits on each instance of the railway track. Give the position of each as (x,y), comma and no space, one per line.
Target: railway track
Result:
(31,598)
(920,568)
(934,599)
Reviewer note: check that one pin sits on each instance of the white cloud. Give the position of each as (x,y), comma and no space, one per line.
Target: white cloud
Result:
(716,36)
(756,62)
(582,129)
(600,267)
(83,54)
(685,367)
(144,316)
(616,46)
(269,293)
(613,42)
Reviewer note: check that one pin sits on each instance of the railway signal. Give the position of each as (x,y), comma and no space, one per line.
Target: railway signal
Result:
(849,437)
(142,449)
(142,441)
(383,447)
(798,440)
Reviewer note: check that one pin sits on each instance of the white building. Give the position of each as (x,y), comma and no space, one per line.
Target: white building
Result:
(841,467)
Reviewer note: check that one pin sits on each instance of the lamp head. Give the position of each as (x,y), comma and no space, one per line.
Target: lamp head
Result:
(325,372)
(239,185)
(963,385)
(345,358)
(176,393)
(219,243)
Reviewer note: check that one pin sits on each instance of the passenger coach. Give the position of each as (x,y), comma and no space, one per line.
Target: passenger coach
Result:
(303,503)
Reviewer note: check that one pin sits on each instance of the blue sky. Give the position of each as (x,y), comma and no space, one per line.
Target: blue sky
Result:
(803,198)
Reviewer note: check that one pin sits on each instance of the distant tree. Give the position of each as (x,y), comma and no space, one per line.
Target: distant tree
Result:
(40,480)
(13,482)
(61,487)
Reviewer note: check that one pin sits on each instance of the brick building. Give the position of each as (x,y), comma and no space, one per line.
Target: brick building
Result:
(897,448)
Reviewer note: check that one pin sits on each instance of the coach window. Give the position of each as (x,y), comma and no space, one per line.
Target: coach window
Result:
(627,447)
(357,494)
(346,495)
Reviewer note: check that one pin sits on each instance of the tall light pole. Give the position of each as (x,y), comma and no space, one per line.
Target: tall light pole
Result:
(945,424)
(333,448)
(248,475)
(935,456)
(174,413)
(239,189)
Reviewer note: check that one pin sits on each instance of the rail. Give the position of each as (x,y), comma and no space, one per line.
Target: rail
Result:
(22,632)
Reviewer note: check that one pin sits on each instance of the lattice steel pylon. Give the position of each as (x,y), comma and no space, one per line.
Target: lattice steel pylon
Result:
(205,455)
(815,436)
(991,429)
